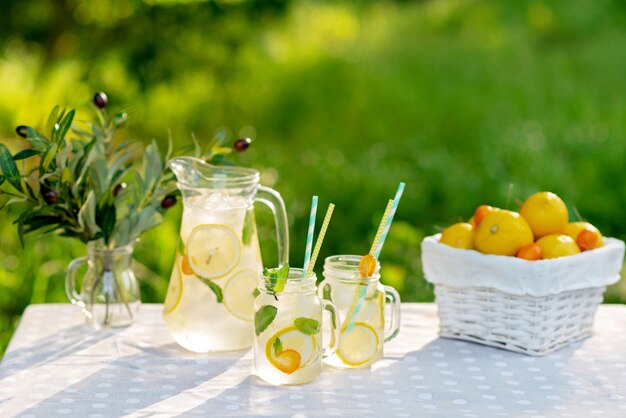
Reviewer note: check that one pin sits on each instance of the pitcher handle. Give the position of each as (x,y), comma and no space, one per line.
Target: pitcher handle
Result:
(394,323)
(335,324)
(272,199)
(70,281)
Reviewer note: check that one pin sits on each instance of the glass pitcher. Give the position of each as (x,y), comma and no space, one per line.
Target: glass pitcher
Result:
(210,299)
(109,292)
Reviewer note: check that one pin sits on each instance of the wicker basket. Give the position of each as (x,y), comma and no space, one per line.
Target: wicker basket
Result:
(528,307)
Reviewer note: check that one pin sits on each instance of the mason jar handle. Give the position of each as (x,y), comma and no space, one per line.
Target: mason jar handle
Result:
(323,291)
(272,199)
(335,323)
(70,280)
(394,322)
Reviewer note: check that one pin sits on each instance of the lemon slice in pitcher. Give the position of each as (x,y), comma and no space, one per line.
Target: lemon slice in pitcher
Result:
(174,290)
(359,346)
(212,251)
(239,294)
(290,340)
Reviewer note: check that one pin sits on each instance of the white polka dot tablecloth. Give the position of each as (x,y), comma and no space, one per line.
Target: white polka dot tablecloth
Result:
(57,366)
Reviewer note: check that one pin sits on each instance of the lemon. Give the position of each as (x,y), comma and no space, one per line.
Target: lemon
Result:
(460,235)
(546,214)
(502,233)
(212,250)
(287,361)
(573,229)
(557,245)
(238,294)
(358,346)
(291,339)
(174,290)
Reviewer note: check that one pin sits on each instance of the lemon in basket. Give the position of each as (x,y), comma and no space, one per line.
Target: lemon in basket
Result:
(546,214)
(588,240)
(502,233)
(557,245)
(459,235)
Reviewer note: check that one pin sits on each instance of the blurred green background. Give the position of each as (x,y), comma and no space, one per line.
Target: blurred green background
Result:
(457,98)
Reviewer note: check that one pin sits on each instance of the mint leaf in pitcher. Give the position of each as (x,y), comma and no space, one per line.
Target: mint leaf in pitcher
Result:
(263,318)
(181,247)
(248,227)
(215,288)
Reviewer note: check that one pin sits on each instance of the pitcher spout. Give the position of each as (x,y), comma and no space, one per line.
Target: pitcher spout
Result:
(197,173)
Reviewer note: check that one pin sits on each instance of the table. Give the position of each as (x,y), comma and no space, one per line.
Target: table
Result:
(57,366)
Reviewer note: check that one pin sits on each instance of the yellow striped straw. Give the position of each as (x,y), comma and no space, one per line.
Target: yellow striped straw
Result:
(357,301)
(381,227)
(320,239)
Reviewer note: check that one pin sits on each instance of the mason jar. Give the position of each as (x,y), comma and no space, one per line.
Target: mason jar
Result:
(288,329)
(361,305)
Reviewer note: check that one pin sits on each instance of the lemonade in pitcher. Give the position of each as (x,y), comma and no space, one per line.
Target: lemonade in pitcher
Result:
(210,299)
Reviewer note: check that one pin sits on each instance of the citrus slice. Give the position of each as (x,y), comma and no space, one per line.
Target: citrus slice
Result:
(367,265)
(290,340)
(185,267)
(287,361)
(239,294)
(174,290)
(359,346)
(212,251)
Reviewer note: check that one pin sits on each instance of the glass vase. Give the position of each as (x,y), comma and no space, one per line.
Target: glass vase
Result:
(109,292)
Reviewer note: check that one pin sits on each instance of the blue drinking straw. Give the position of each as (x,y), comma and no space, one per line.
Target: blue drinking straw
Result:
(309,237)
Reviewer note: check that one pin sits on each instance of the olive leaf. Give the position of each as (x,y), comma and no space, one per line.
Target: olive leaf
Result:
(87,215)
(36,139)
(25,153)
(105,219)
(52,119)
(153,166)
(62,126)
(263,318)
(9,168)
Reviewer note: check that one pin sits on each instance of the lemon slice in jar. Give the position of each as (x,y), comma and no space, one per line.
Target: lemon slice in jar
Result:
(358,346)
(280,349)
(239,294)
(212,251)
(174,290)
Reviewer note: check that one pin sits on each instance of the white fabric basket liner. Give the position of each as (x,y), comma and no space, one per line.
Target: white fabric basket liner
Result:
(459,268)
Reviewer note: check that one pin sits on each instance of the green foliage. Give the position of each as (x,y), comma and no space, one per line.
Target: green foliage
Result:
(263,318)
(215,288)
(277,346)
(307,326)
(277,279)
(458,99)
(72,188)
